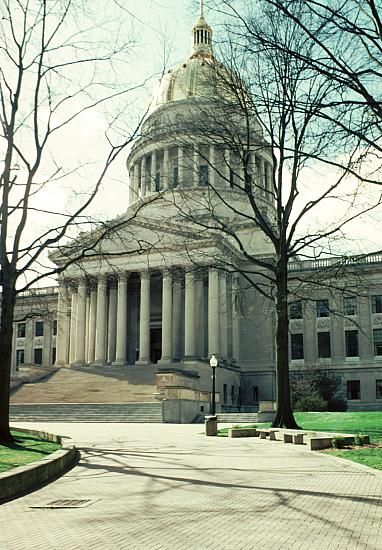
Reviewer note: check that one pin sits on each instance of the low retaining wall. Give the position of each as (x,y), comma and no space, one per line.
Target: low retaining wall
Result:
(24,478)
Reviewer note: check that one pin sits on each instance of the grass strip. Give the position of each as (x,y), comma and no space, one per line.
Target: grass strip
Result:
(368,456)
(25,449)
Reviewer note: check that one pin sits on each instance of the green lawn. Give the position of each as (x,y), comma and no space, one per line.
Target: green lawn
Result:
(371,457)
(368,423)
(27,448)
(365,423)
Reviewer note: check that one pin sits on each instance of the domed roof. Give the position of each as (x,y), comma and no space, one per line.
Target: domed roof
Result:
(196,77)
(201,75)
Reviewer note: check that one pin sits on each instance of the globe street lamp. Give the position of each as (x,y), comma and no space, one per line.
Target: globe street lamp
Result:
(214,364)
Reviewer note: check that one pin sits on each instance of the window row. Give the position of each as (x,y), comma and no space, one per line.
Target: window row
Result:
(349,307)
(38,328)
(37,356)
(324,344)
(353,389)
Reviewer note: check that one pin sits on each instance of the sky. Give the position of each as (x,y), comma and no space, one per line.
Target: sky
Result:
(160,31)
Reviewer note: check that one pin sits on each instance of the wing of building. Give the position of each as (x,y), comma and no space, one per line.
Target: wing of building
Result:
(164,285)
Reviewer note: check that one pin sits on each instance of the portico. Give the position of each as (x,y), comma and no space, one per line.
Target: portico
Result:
(110,319)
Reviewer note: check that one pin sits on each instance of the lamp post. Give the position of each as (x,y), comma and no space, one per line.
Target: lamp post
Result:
(214,364)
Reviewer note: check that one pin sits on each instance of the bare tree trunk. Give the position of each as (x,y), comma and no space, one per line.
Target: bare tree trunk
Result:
(284,415)
(6,335)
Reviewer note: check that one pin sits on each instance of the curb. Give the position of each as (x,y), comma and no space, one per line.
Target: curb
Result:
(26,478)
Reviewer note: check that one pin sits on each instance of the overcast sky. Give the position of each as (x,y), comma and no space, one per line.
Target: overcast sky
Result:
(162,33)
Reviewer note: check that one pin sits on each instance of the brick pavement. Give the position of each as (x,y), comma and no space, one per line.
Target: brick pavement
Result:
(168,487)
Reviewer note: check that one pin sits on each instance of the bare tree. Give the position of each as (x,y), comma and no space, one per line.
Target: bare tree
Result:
(267,104)
(58,73)
(345,45)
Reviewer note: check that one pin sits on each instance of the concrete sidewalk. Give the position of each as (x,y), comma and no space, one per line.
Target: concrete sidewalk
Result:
(168,487)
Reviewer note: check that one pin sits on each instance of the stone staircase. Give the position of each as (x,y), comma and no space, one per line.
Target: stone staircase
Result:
(127,384)
(86,394)
(87,412)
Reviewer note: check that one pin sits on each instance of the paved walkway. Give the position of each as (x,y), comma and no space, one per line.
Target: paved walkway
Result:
(168,487)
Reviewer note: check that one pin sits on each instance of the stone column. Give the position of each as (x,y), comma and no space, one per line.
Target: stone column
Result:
(189,316)
(62,326)
(223,315)
(213,312)
(270,182)
(153,172)
(200,310)
(143,176)
(262,182)
(144,322)
(92,326)
(79,357)
(138,179)
(180,166)
(195,164)
(177,319)
(135,189)
(166,317)
(112,324)
(121,346)
(235,317)
(87,327)
(73,326)
(166,167)
(100,347)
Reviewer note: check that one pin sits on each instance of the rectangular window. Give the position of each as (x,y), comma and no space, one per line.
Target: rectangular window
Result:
(55,327)
(175,177)
(225,393)
(54,355)
(231,178)
(157,182)
(20,357)
(378,389)
(38,356)
(322,308)
(295,310)
(233,398)
(297,346)
(323,339)
(377,337)
(350,305)
(203,174)
(351,343)
(39,328)
(376,304)
(255,393)
(21,330)
(353,389)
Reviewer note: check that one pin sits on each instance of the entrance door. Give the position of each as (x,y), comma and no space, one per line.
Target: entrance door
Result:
(155,344)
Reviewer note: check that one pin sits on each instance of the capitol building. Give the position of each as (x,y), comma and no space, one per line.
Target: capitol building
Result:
(167,288)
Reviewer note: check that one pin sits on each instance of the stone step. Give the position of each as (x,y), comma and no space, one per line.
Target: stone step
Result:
(84,412)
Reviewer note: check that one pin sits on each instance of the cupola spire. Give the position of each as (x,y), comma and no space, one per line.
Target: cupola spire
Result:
(201,36)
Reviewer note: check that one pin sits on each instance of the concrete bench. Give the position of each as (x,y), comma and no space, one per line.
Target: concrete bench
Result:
(243,432)
(294,437)
(271,432)
(316,442)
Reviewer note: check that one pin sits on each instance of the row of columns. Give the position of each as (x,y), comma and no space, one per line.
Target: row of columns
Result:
(99,334)
(143,171)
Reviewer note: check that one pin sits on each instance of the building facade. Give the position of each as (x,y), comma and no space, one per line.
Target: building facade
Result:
(164,288)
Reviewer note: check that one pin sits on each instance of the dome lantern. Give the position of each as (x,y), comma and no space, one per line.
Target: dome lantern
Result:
(201,37)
